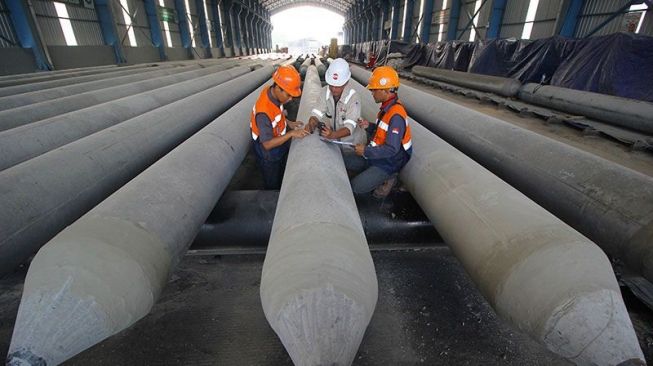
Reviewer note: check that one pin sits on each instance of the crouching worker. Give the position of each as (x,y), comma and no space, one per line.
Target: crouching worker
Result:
(338,106)
(389,150)
(270,127)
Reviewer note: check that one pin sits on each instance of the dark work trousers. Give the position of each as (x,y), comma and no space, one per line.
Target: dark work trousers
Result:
(368,177)
(272,171)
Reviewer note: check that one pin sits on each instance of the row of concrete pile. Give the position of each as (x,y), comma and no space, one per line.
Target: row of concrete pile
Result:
(537,272)
(45,103)
(49,82)
(629,113)
(308,61)
(34,138)
(60,167)
(610,204)
(105,271)
(318,287)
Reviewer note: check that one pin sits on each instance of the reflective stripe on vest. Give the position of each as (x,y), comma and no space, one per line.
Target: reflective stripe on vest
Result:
(351,93)
(383,125)
(274,114)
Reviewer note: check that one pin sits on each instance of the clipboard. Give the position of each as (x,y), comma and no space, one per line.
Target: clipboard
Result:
(338,142)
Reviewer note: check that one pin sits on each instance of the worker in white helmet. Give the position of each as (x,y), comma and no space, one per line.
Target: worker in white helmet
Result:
(339,107)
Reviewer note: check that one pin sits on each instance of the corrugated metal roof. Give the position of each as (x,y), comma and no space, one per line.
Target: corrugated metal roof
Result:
(515,12)
(512,30)
(338,6)
(597,11)
(83,20)
(46,16)
(7,32)
(51,31)
(85,25)
(543,29)
(467,10)
(548,9)
(141,24)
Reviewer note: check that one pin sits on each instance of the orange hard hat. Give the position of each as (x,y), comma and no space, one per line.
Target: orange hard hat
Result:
(383,77)
(288,79)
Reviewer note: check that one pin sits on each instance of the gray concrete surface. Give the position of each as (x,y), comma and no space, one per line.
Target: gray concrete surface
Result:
(630,113)
(428,313)
(502,86)
(53,190)
(57,75)
(23,99)
(126,247)
(22,143)
(608,203)
(31,74)
(117,72)
(318,285)
(304,66)
(510,245)
(321,68)
(32,111)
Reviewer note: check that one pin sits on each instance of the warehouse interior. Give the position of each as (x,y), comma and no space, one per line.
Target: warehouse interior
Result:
(136,226)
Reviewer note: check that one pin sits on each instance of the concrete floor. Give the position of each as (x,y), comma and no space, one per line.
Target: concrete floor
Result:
(428,312)
(210,314)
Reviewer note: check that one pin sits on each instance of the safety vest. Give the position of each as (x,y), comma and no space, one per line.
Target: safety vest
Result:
(383,124)
(274,113)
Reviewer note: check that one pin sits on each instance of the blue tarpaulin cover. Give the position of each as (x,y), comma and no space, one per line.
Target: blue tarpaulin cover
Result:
(618,64)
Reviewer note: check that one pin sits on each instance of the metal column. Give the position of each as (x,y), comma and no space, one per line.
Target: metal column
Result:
(408,22)
(247,30)
(454,15)
(427,18)
(496,18)
(204,29)
(395,20)
(240,29)
(28,33)
(184,29)
(571,18)
(155,28)
(235,29)
(229,28)
(108,27)
(217,27)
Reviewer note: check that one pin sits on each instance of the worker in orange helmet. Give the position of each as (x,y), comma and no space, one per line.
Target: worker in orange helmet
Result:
(271,132)
(389,150)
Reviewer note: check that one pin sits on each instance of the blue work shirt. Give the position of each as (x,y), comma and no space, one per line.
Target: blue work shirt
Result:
(390,156)
(264,125)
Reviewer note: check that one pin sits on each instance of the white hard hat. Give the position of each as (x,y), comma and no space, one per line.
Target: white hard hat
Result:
(338,72)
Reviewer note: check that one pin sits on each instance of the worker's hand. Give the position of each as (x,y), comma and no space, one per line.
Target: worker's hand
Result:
(295,125)
(326,132)
(312,124)
(300,133)
(360,149)
(363,123)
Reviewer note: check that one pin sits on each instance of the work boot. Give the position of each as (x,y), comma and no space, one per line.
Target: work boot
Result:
(384,189)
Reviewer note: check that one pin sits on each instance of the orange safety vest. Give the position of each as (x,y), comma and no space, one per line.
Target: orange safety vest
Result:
(383,124)
(274,113)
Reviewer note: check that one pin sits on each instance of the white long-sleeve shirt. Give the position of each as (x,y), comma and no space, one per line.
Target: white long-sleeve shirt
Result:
(345,113)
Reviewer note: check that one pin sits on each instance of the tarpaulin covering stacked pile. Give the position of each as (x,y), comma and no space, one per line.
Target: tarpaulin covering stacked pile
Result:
(616,64)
